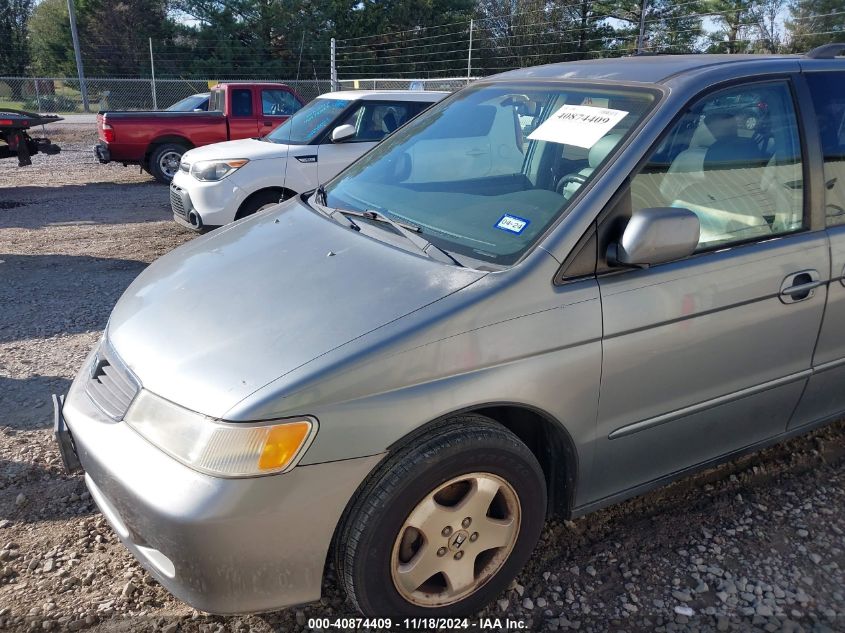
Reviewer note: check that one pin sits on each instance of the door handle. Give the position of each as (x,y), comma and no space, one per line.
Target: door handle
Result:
(268,124)
(476,152)
(800,286)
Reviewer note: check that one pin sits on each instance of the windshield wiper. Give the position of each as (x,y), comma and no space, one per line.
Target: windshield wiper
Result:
(335,214)
(409,231)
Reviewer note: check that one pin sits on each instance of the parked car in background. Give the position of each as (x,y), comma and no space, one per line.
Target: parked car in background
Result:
(219,183)
(156,140)
(413,367)
(194,103)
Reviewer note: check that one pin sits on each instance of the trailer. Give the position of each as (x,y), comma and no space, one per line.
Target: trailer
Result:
(15,138)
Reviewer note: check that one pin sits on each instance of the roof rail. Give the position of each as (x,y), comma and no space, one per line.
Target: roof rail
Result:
(827,51)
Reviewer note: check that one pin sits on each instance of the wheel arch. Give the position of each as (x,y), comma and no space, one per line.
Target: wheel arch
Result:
(282,191)
(162,140)
(544,435)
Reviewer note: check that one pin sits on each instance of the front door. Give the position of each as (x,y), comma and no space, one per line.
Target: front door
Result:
(277,106)
(707,355)
(372,120)
(242,114)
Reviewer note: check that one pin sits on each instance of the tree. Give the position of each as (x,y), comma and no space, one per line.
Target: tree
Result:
(14,48)
(50,39)
(736,24)
(115,34)
(812,23)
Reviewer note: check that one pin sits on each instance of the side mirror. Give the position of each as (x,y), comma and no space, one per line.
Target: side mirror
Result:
(655,236)
(342,132)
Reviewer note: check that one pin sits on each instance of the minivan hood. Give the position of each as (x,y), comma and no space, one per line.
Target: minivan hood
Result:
(250,148)
(223,315)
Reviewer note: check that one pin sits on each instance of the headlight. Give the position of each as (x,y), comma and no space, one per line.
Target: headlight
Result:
(223,449)
(210,170)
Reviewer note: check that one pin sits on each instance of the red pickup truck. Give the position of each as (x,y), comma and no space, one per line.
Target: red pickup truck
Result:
(157,140)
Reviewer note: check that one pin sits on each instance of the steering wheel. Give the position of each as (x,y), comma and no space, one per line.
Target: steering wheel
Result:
(569,178)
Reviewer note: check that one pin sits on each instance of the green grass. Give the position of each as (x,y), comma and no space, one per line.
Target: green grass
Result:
(14,105)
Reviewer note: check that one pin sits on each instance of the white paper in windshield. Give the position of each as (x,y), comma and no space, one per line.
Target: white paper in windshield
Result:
(578,125)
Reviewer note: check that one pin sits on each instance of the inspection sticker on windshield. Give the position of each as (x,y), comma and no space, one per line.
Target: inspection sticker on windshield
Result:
(512,223)
(579,125)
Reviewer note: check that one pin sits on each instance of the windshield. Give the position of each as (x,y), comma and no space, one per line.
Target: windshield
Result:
(307,124)
(485,173)
(189,104)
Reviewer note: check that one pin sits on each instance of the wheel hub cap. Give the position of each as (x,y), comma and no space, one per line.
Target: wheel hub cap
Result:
(455,539)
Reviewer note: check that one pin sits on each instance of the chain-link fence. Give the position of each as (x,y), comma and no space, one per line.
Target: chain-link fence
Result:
(442,83)
(62,94)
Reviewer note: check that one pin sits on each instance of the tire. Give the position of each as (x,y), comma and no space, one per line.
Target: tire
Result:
(464,462)
(258,201)
(161,164)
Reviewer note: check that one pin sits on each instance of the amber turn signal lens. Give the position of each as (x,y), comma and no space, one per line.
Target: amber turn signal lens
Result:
(281,445)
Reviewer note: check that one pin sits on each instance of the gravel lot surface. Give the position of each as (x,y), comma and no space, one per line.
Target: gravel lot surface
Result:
(755,545)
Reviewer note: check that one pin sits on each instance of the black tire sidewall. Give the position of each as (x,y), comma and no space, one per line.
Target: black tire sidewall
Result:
(154,168)
(372,576)
(256,201)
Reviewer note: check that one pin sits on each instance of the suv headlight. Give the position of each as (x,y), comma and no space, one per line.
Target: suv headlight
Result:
(211,170)
(222,449)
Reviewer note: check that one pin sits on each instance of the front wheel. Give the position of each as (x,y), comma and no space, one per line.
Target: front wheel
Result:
(441,528)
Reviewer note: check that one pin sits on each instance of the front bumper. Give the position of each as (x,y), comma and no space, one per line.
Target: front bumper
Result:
(101,151)
(216,203)
(221,545)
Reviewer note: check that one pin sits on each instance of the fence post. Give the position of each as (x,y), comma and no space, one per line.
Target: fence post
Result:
(641,38)
(469,52)
(37,95)
(153,76)
(334,65)
(83,89)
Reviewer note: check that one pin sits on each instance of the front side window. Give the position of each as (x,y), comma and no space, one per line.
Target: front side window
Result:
(242,102)
(374,120)
(734,159)
(308,123)
(486,172)
(828,91)
(276,102)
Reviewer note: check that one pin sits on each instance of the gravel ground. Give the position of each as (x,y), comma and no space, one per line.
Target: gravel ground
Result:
(755,545)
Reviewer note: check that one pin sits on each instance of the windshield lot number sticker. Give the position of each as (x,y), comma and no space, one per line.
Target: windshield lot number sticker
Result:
(579,125)
(512,223)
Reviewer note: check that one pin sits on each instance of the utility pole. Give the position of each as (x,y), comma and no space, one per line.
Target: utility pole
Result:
(469,52)
(153,74)
(333,59)
(641,38)
(71,10)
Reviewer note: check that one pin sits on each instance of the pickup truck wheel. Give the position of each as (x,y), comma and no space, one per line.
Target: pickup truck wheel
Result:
(444,524)
(164,161)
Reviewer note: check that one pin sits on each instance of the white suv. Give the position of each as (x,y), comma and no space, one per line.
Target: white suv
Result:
(219,183)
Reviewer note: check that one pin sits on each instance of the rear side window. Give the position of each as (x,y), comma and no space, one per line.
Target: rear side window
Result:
(828,91)
(276,102)
(241,102)
(734,159)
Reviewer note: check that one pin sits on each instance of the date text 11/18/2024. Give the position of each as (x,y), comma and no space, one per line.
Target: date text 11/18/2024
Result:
(417,624)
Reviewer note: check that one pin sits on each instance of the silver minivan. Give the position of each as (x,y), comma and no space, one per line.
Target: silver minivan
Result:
(558,288)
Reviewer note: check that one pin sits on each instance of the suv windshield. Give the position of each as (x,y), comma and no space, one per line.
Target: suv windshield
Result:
(307,124)
(486,172)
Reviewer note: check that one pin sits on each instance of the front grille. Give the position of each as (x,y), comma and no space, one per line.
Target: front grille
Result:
(176,202)
(110,385)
